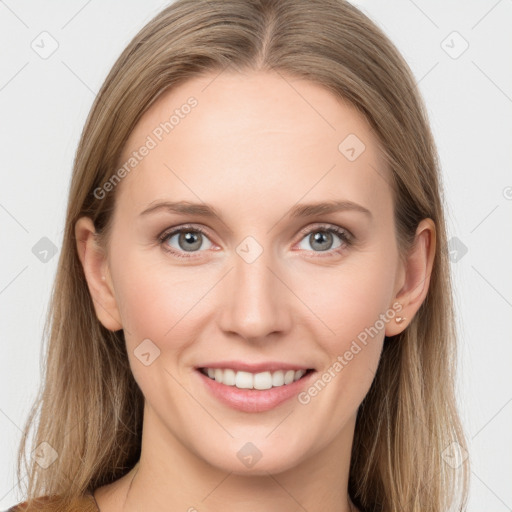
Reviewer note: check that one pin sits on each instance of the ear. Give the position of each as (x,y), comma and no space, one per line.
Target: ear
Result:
(414,276)
(95,265)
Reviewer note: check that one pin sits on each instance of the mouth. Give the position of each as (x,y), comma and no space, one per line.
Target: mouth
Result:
(254,392)
(259,381)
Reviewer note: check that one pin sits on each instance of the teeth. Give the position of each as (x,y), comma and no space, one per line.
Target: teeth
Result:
(247,380)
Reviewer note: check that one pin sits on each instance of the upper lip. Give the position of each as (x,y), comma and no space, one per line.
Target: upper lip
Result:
(270,366)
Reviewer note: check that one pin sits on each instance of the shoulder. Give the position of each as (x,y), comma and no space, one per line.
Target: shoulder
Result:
(56,503)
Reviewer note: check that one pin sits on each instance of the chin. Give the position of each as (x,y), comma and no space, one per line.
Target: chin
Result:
(252,459)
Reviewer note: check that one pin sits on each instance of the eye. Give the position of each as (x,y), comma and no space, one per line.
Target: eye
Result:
(188,239)
(321,238)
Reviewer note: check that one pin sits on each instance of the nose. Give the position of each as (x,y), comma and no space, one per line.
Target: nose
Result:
(255,299)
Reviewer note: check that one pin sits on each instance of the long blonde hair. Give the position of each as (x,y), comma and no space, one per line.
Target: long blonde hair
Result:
(90,405)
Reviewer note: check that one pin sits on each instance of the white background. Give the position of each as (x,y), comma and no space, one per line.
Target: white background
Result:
(44,103)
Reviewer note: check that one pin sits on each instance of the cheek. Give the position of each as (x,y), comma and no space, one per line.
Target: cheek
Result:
(167,305)
(156,299)
(348,298)
(351,335)
(157,309)
(350,303)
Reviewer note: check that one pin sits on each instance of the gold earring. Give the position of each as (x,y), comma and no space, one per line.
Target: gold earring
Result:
(400,319)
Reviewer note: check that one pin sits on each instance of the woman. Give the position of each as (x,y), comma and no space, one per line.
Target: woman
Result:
(253,307)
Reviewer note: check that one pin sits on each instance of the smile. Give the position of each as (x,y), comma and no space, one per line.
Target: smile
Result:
(254,392)
(248,380)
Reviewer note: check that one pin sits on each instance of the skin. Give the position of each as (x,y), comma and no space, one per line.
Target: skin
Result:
(253,148)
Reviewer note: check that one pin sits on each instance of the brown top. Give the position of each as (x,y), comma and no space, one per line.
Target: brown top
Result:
(85,503)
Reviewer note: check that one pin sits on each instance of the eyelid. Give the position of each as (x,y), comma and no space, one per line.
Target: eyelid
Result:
(182,227)
(318,226)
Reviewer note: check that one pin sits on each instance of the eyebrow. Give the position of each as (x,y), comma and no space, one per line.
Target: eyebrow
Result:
(297,211)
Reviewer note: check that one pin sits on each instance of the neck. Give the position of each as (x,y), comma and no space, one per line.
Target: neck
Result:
(175,475)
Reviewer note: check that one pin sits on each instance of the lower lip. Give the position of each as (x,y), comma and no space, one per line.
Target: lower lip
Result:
(254,400)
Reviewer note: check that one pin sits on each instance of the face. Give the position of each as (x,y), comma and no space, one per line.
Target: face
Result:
(262,282)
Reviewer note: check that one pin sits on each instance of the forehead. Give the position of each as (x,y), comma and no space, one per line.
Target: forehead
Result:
(258,142)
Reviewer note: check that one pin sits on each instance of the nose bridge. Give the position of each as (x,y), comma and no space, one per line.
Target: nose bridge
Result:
(254,305)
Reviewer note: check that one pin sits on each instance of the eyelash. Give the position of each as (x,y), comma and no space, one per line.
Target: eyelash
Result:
(345,236)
